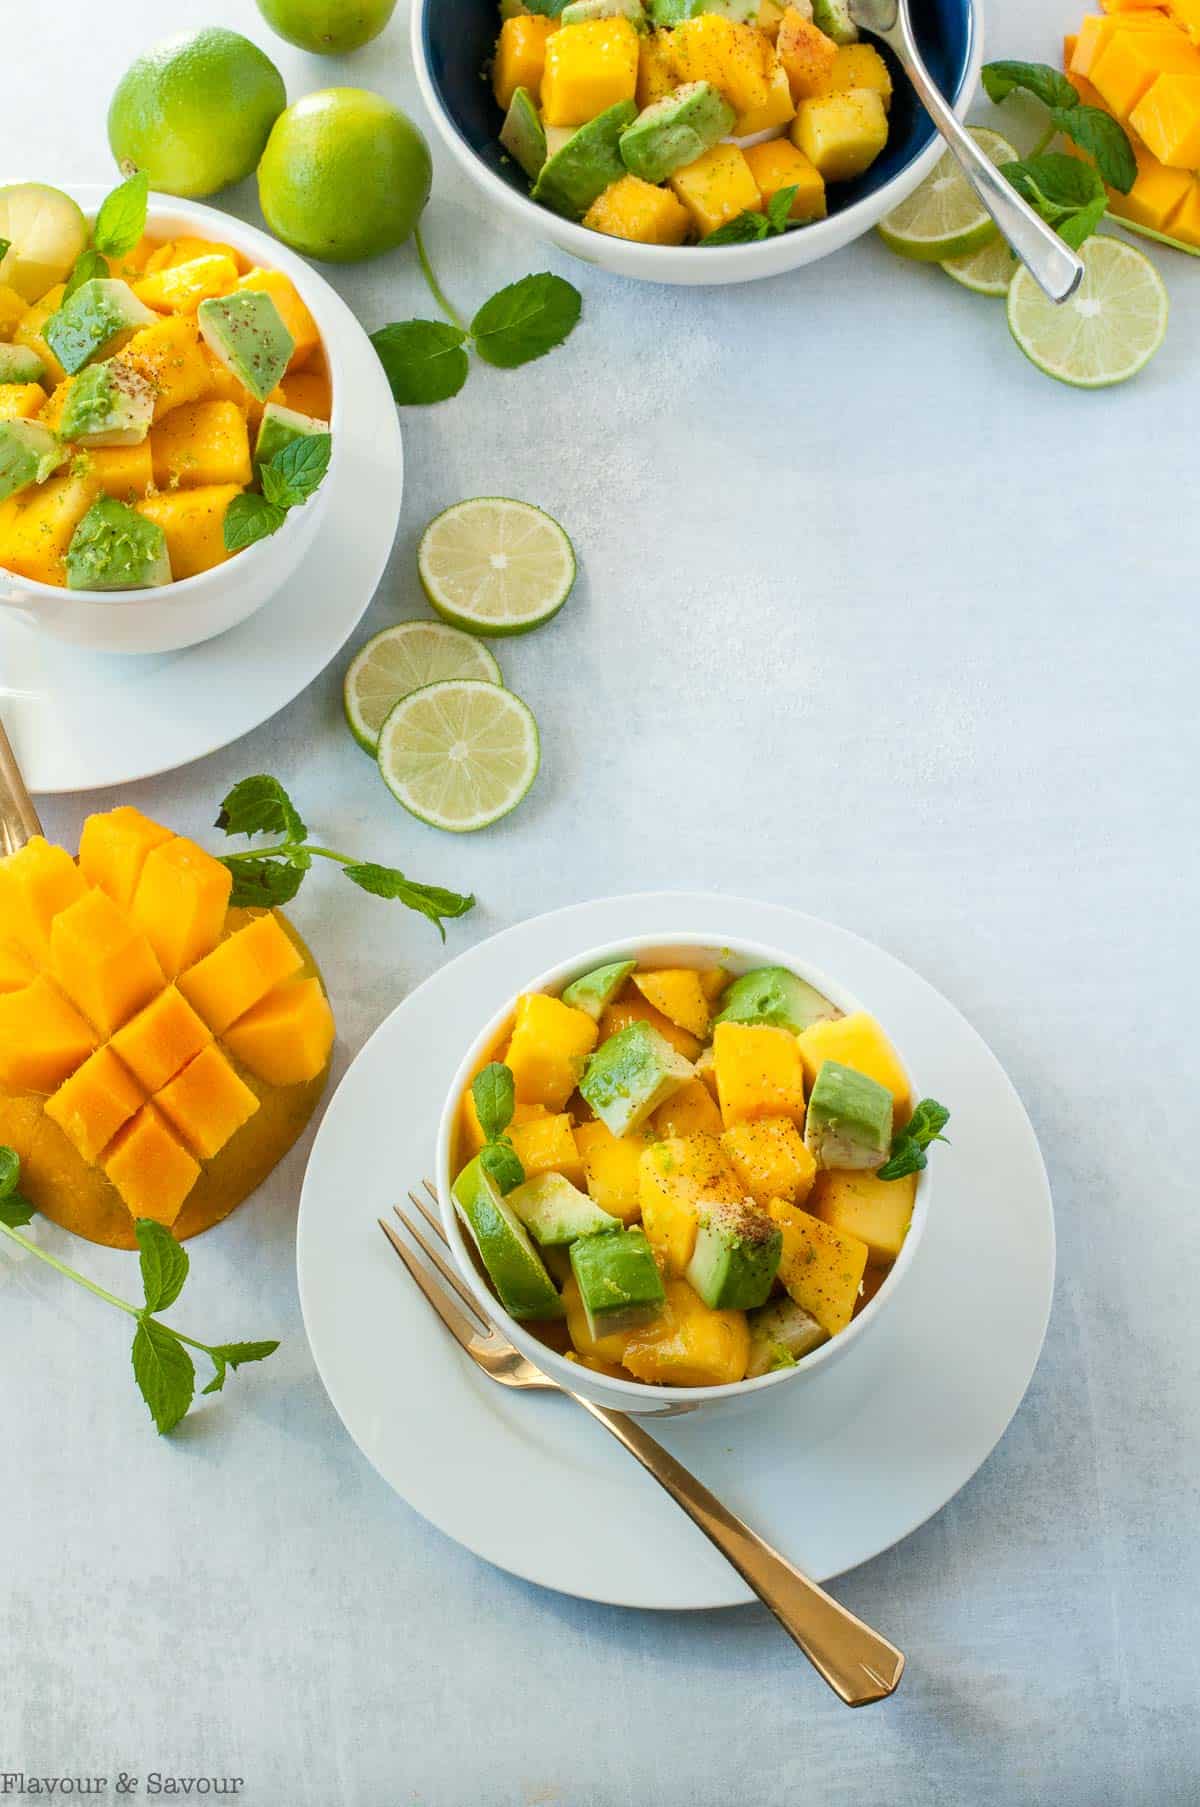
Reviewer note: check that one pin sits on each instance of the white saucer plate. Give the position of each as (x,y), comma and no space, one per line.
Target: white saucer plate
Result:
(830,1474)
(83,721)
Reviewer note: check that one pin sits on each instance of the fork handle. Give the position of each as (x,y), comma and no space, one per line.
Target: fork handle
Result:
(858,1664)
(18,818)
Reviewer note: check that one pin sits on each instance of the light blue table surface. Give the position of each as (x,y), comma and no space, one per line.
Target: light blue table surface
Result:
(873,620)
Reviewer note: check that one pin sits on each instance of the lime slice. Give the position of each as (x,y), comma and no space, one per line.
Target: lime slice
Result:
(459,754)
(496,567)
(988,271)
(46,232)
(406,658)
(514,1266)
(1112,325)
(944,217)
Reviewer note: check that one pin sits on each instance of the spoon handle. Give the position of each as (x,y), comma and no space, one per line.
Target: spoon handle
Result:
(18,817)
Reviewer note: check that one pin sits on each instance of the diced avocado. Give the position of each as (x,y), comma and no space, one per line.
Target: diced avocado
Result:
(107,404)
(674,12)
(18,364)
(114,548)
(246,332)
(595,991)
(849,1121)
(557,136)
(29,453)
(619,1282)
(782,1334)
(585,166)
(630,1075)
(676,130)
(523,135)
(772,994)
(95,322)
(736,1256)
(279,427)
(555,1212)
(833,17)
(516,1269)
(580,11)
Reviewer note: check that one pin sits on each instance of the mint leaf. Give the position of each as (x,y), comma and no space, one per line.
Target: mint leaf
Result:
(163,1370)
(15,1210)
(296,470)
(501,1162)
(121,220)
(164,1264)
(10,1171)
(924,1127)
(907,1157)
(88,264)
(5,248)
(927,1122)
(249,518)
(526,320)
(1067,192)
(264,883)
(260,805)
(423,360)
(428,900)
(779,208)
(743,229)
(494,1094)
(232,1355)
(1105,141)
(1049,85)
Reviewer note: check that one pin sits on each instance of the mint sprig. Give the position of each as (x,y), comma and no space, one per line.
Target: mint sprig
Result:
(5,248)
(1074,204)
(494,1095)
(264,877)
(88,265)
(427,360)
(121,220)
(288,480)
(162,1367)
(923,1128)
(1069,194)
(746,228)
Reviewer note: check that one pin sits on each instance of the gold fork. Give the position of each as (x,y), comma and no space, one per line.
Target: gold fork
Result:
(859,1665)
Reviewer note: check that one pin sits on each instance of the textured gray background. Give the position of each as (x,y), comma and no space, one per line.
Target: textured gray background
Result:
(874,620)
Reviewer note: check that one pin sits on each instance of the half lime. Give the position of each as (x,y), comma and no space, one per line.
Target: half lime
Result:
(459,754)
(495,566)
(1109,329)
(944,217)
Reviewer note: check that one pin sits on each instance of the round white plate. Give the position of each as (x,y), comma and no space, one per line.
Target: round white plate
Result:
(529,1482)
(83,721)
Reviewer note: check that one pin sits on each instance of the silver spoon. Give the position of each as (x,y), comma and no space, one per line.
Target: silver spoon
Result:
(1052,264)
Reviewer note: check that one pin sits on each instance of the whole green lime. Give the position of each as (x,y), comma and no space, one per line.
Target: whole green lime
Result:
(327,27)
(195,111)
(345,175)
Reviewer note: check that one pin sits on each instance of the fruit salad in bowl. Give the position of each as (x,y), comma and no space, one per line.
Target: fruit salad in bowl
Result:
(165,411)
(680,1173)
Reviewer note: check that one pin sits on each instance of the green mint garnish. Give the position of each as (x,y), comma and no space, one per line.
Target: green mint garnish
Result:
(924,1127)
(121,220)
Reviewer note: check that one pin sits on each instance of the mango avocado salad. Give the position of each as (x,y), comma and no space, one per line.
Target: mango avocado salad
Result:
(669,121)
(686,1178)
(159,411)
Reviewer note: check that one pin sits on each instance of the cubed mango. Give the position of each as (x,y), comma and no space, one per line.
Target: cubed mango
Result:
(550,1044)
(858,66)
(856,1041)
(21,401)
(860,1204)
(678,994)
(102,962)
(285,1040)
(95,1102)
(675,1176)
(161,1040)
(150,1168)
(291,309)
(193,521)
(180,288)
(37,524)
(521,56)
(1133,60)
(202,443)
(806,54)
(734,57)
(612,1169)
(125,472)
(588,68)
(547,1145)
(180,903)
(114,847)
(1167,120)
(759,1073)
(635,1009)
(632,209)
(770,1160)
(36,883)
(778,164)
(821,1267)
(43,1038)
(841,134)
(170,356)
(240,971)
(692,1111)
(777,110)
(717,186)
(207,1103)
(689,1344)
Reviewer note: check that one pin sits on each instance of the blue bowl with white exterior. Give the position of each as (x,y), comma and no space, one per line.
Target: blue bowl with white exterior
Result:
(453,41)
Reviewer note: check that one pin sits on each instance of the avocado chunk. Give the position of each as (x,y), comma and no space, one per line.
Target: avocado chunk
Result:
(555,1212)
(514,1266)
(595,991)
(630,1075)
(29,453)
(737,1254)
(114,548)
(772,994)
(580,11)
(279,427)
(676,130)
(781,1334)
(523,135)
(246,332)
(18,364)
(590,160)
(107,404)
(95,322)
(674,12)
(619,1282)
(849,1121)
(833,17)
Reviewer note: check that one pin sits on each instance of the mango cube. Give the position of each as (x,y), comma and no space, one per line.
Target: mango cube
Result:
(16,972)
(656,77)
(1097,32)
(736,58)
(691,1112)
(161,1040)
(307,391)
(37,524)
(287,1038)
(180,903)
(759,1073)
(521,56)
(13,308)
(95,1102)
(291,309)
(1134,60)
(678,994)
(183,251)
(618,1016)
(21,401)
(36,883)
(204,442)
(612,1169)
(1167,120)
(180,288)
(193,521)
(150,1168)
(778,164)
(776,110)
(636,210)
(240,972)
(770,1160)
(207,1103)
(125,472)
(114,847)
(102,962)
(1158,198)
(717,186)
(807,56)
(549,1047)
(675,1177)
(822,1268)
(877,1212)
(688,1344)
(856,1041)
(858,66)
(841,134)
(1185,221)
(43,1038)
(547,1145)
(588,68)
(170,355)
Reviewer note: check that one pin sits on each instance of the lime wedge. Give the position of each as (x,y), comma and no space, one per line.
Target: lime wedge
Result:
(988,271)
(1109,329)
(494,566)
(402,659)
(46,232)
(459,754)
(514,1266)
(944,217)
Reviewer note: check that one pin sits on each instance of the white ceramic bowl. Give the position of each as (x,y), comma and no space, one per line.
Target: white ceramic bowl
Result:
(197,608)
(687,949)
